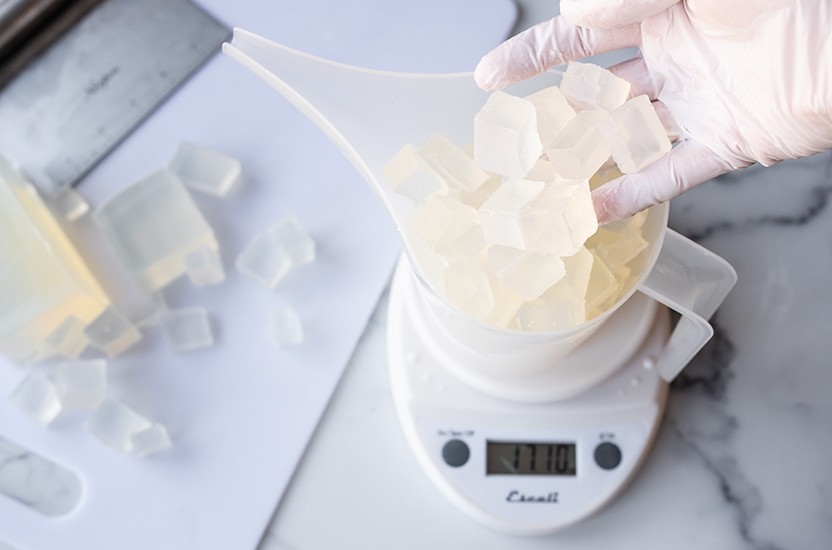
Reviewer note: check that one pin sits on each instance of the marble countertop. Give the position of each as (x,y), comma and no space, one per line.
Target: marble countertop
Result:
(742,459)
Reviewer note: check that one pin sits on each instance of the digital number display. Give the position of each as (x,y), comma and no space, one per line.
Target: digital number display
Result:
(541,459)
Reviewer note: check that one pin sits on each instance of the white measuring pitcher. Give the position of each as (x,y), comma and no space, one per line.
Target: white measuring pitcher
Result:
(370,115)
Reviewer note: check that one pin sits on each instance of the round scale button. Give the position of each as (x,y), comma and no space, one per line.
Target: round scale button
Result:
(607,455)
(455,453)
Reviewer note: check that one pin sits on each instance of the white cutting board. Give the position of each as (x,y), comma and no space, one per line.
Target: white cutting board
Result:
(241,412)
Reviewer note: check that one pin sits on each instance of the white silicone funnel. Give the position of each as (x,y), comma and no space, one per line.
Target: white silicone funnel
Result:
(370,115)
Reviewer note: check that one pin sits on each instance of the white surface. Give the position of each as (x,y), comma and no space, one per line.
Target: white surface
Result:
(241,412)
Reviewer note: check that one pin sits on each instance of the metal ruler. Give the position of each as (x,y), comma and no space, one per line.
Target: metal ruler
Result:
(80,98)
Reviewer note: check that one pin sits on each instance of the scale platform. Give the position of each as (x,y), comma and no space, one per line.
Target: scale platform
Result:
(508,457)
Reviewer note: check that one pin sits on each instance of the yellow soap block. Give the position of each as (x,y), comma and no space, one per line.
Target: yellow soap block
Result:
(43,280)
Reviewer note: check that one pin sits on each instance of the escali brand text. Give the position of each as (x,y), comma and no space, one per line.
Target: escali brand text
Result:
(517,496)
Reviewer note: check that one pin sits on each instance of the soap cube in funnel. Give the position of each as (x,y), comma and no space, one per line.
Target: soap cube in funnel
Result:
(114,424)
(553,113)
(443,221)
(468,288)
(146,313)
(409,174)
(68,339)
(500,214)
(37,397)
(589,86)
(111,332)
(601,285)
(457,169)
(505,135)
(578,269)
(152,225)
(286,327)
(290,235)
(634,135)
(506,302)
(187,328)
(559,219)
(526,273)
(204,266)
(81,384)
(151,440)
(578,151)
(562,309)
(616,249)
(204,169)
(263,261)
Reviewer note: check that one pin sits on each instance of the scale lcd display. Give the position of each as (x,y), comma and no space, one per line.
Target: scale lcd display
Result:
(541,459)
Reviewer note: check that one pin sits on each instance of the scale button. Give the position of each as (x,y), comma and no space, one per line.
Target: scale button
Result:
(607,455)
(455,453)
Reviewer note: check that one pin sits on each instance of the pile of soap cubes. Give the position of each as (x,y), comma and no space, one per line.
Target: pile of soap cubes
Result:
(505,227)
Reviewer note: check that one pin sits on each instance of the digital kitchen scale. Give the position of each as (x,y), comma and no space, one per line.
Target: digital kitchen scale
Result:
(519,462)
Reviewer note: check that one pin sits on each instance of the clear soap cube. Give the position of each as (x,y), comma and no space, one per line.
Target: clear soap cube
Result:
(500,214)
(432,263)
(553,113)
(146,313)
(204,169)
(43,279)
(150,440)
(443,220)
(453,164)
(68,339)
(589,86)
(409,174)
(286,327)
(37,397)
(526,273)
(204,266)
(81,384)
(187,328)
(470,244)
(578,270)
(601,285)
(69,204)
(264,261)
(506,303)
(152,225)
(505,135)
(544,171)
(559,219)
(290,235)
(114,424)
(111,332)
(467,287)
(616,249)
(634,135)
(561,309)
(485,191)
(578,151)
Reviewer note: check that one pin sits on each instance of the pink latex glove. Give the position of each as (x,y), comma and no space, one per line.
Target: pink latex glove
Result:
(738,81)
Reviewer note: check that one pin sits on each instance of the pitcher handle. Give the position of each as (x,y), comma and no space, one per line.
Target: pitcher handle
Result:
(692,281)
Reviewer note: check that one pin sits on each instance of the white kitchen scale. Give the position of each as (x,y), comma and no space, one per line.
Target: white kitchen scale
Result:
(527,432)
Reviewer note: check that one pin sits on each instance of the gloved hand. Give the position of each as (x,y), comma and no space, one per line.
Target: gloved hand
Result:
(738,82)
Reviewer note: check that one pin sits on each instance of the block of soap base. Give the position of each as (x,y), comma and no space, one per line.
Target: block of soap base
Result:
(410,175)
(553,113)
(451,162)
(152,225)
(578,270)
(578,151)
(114,425)
(151,440)
(290,235)
(147,313)
(81,384)
(204,169)
(506,303)
(264,261)
(43,279)
(68,339)
(526,273)
(204,266)
(69,204)
(468,287)
(559,219)
(601,285)
(187,328)
(500,214)
(37,397)
(615,249)
(634,135)
(562,309)
(443,221)
(505,136)
(589,86)
(286,327)
(111,332)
